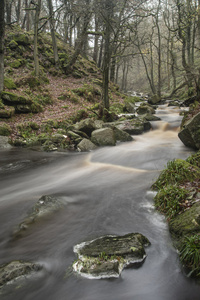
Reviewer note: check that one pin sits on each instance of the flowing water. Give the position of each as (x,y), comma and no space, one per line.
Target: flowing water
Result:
(106,192)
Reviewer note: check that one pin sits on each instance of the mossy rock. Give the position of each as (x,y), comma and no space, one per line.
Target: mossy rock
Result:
(5,129)
(15,64)
(13,45)
(1,104)
(9,83)
(107,256)
(13,99)
(132,99)
(30,80)
(12,272)
(187,222)
(7,112)
(22,39)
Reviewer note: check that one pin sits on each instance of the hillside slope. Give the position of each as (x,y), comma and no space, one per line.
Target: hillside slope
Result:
(55,95)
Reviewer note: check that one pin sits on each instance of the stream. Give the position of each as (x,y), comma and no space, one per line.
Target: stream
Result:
(107,191)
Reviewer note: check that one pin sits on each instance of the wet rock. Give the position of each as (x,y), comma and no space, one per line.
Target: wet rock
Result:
(134,126)
(190,134)
(107,256)
(122,136)
(154,99)
(103,137)
(129,107)
(4,143)
(86,145)
(16,270)
(145,109)
(149,117)
(174,103)
(45,206)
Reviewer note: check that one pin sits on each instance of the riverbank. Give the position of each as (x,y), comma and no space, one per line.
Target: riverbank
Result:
(178,198)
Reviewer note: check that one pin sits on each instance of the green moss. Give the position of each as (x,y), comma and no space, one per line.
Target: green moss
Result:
(5,129)
(21,39)
(13,45)
(70,96)
(117,108)
(132,99)
(1,104)
(9,84)
(14,98)
(89,92)
(15,64)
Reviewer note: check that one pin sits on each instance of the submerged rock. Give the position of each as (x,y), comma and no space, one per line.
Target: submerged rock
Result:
(43,207)
(16,270)
(107,256)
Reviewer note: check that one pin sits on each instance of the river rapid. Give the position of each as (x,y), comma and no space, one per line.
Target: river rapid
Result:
(106,192)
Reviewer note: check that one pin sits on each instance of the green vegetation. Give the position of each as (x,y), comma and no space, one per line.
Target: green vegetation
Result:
(177,172)
(5,129)
(9,83)
(194,159)
(170,200)
(89,92)
(190,254)
(178,189)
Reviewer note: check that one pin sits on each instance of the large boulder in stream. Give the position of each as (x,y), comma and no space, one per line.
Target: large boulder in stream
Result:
(86,145)
(45,206)
(17,270)
(103,137)
(145,109)
(134,126)
(86,125)
(190,134)
(4,142)
(122,135)
(107,256)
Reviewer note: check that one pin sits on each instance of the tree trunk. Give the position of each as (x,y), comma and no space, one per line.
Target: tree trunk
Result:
(18,11)
(112,69)
(108,13)
(79,44)
(2,32)
(100,54)
(8,10)
(36,59)
(96,40)
(53,36)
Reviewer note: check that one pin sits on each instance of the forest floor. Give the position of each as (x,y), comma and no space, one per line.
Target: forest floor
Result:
(59,110)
